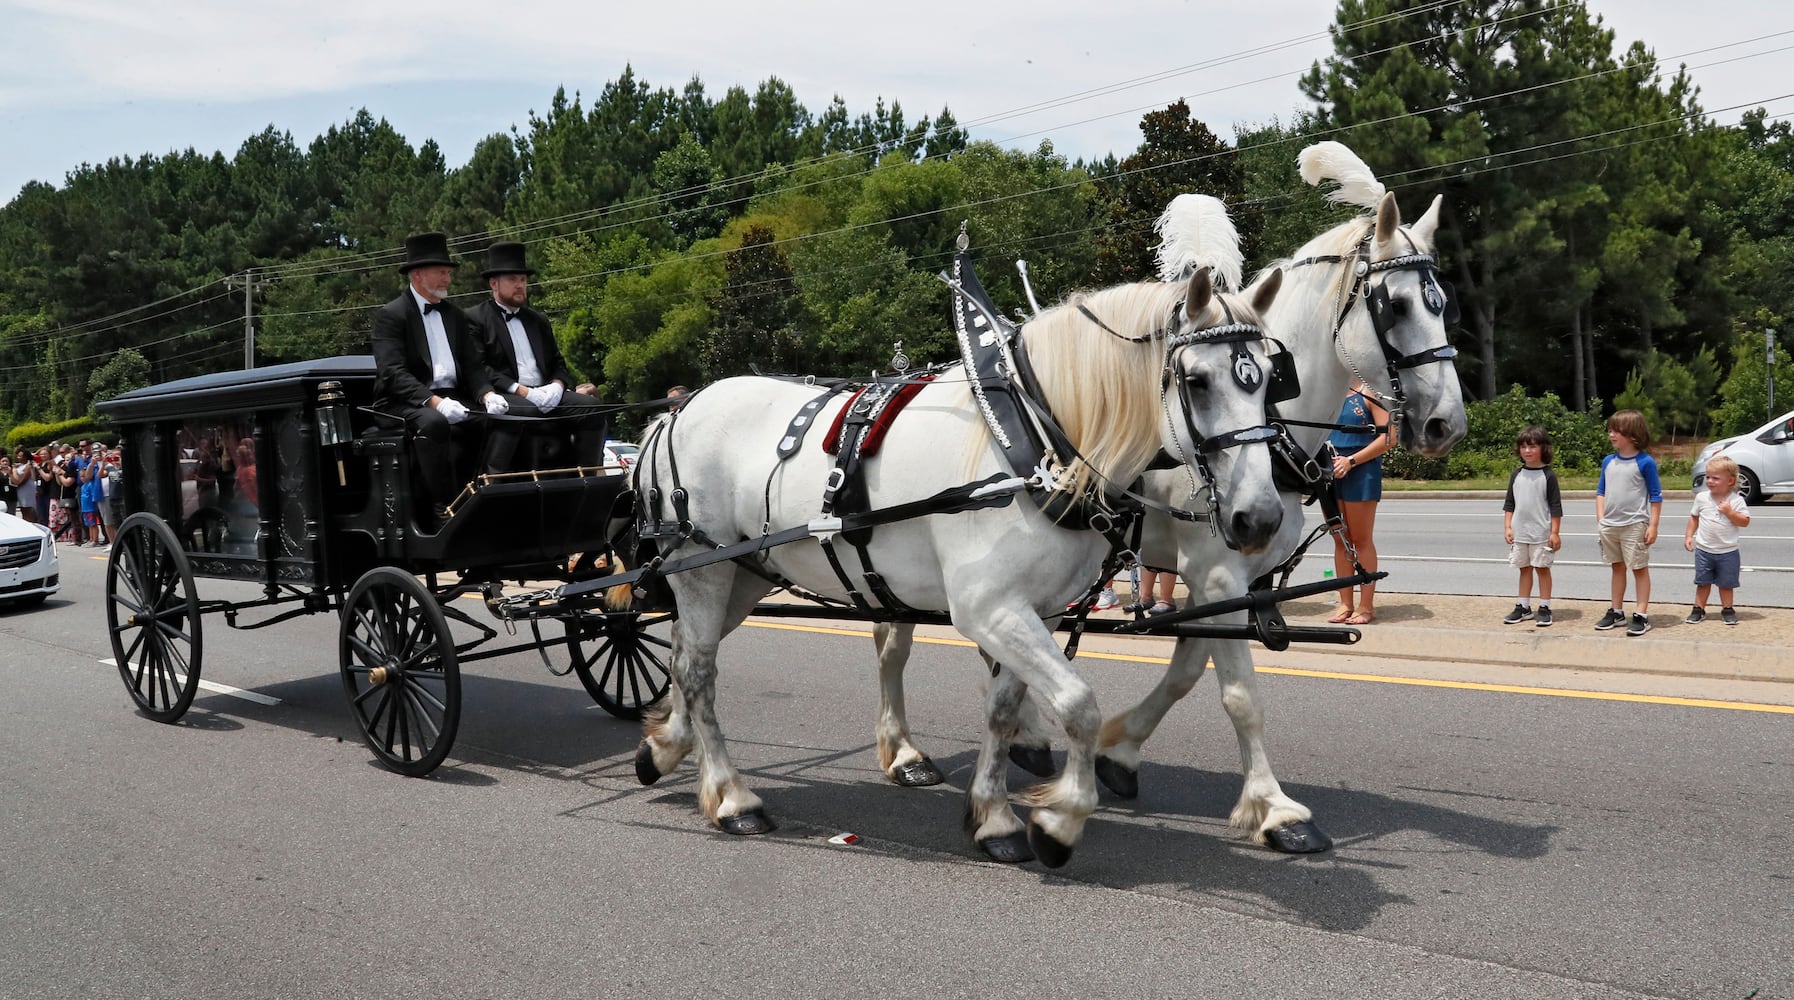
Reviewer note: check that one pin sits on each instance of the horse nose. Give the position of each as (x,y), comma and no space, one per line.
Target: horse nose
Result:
(1252,530)
(1438,434)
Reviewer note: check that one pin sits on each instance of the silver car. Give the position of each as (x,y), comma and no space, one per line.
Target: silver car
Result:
(1765,459)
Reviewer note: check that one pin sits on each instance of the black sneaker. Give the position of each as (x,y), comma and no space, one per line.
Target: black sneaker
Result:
(1613,617)
(1520,613)
(1640,625)
(1695,617)
(1728,616)
(1543,618)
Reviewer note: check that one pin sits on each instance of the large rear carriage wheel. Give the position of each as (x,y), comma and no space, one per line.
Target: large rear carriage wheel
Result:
(152,615)
(622,665)
(400,670)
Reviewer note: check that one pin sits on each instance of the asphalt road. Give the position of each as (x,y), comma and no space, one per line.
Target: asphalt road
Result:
(1489,843)
(1455,546)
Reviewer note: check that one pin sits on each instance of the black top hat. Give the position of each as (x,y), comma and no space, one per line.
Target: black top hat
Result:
(426,250)
(505,258)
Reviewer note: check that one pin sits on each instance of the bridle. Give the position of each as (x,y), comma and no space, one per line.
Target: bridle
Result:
(1436,294)
(1194,448)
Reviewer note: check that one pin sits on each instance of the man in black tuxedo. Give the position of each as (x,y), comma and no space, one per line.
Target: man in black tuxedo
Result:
(525,362)
(432,370)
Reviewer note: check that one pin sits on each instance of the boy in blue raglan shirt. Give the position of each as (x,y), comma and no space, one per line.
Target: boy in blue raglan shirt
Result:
(1628,505)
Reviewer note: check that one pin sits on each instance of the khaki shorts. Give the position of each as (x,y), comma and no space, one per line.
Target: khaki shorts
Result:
(1536,555)
(1625,544)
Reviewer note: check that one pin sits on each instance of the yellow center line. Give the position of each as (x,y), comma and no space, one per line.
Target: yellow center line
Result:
(1645,699)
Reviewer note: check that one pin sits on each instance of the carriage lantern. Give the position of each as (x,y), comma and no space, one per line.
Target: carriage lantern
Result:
(334,430)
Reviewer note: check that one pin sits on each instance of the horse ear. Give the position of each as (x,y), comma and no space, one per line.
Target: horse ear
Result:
(1428,224)
(1265,291)
(1389,218)
(1202,289)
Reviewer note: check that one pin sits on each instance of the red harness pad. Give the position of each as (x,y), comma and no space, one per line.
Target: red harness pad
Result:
(875,435)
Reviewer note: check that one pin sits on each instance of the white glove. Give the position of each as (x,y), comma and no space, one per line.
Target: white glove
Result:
(452,410)
(496,405)
(546,397)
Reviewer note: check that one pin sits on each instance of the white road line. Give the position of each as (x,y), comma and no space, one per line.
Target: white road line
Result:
(1566,562)
(216,688)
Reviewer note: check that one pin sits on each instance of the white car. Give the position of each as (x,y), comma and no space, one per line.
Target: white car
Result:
(1765,459)
(29,571)
(620,454)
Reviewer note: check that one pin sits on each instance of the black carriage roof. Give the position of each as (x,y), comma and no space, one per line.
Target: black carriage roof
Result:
(241,391)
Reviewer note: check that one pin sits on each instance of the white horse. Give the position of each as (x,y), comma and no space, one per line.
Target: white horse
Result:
(1324,317)
(1124,371)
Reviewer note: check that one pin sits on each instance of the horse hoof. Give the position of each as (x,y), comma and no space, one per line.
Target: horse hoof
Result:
(1123,781)
(645,771)
(918,774)
(1009,849)
(1047,847)
(1301,837)
(747,824)
(1037,761)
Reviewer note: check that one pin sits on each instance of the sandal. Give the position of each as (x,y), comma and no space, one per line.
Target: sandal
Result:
(1341,616)
(1361,618)
(1161,608)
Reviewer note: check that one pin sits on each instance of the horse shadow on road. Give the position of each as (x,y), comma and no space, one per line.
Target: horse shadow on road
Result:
(1174,841)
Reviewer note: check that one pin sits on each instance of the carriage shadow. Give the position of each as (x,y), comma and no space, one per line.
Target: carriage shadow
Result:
(508,724)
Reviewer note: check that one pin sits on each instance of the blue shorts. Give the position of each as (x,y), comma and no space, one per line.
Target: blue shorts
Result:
(1717,569)
(1362,483)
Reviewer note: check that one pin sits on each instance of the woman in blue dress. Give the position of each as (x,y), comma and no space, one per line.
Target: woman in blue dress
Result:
(1358,478)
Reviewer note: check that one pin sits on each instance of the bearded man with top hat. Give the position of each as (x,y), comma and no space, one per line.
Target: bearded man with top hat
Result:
(525,362)
(432,372)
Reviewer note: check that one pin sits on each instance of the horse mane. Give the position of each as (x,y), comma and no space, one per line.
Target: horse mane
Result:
(1101,389)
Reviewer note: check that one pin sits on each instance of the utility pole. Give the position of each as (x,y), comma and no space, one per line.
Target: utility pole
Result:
(1769,349)
(248,318)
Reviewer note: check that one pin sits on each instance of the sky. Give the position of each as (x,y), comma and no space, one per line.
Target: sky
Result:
(83,81)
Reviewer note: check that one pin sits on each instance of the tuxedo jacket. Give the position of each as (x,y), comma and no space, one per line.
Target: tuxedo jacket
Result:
(501,354)
(402,354)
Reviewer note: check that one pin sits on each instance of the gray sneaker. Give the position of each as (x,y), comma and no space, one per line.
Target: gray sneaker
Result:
(1543,618)
(1640,625)
(1728,616)
(1695,617)
(1613,617)
(1520,613)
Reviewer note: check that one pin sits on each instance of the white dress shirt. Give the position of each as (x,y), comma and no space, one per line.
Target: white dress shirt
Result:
(528,372)
(442,359)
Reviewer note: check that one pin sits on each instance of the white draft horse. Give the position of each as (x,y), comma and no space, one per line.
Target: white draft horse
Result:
(999,572)
(1324,318)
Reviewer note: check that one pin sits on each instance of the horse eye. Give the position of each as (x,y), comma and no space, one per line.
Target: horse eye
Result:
(1399,307)
(1197,381)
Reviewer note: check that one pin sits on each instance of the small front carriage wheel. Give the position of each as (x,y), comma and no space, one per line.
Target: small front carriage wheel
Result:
(152,615)
(621,669)
(400,670)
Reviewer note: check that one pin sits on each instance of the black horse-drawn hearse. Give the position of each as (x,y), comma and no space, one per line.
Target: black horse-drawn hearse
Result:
(286,476)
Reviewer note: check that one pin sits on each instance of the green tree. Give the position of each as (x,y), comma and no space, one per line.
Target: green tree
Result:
(1179,154)
(756,311)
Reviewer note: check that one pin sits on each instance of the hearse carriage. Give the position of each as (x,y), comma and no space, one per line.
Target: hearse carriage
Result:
(286,476)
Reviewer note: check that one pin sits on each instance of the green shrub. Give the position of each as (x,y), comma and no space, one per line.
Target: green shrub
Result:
(34,434)
(1578,440)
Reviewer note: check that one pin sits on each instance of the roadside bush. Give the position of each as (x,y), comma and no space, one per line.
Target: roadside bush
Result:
(33,434)
(1578,440)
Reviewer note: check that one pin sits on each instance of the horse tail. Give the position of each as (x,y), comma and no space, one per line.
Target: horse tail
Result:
(1333,161)
(1195,232)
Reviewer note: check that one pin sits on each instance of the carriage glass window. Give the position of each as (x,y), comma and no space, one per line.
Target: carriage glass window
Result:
(219,499)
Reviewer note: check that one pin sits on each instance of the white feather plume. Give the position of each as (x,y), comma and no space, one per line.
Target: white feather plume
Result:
(1332,161)
(1196,232)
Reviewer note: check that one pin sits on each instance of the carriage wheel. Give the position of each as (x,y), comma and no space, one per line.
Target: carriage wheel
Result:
(152,614)
(624,670)
(400,670)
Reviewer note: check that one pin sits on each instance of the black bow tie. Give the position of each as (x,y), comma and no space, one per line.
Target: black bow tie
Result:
(430,307)
(509,316)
